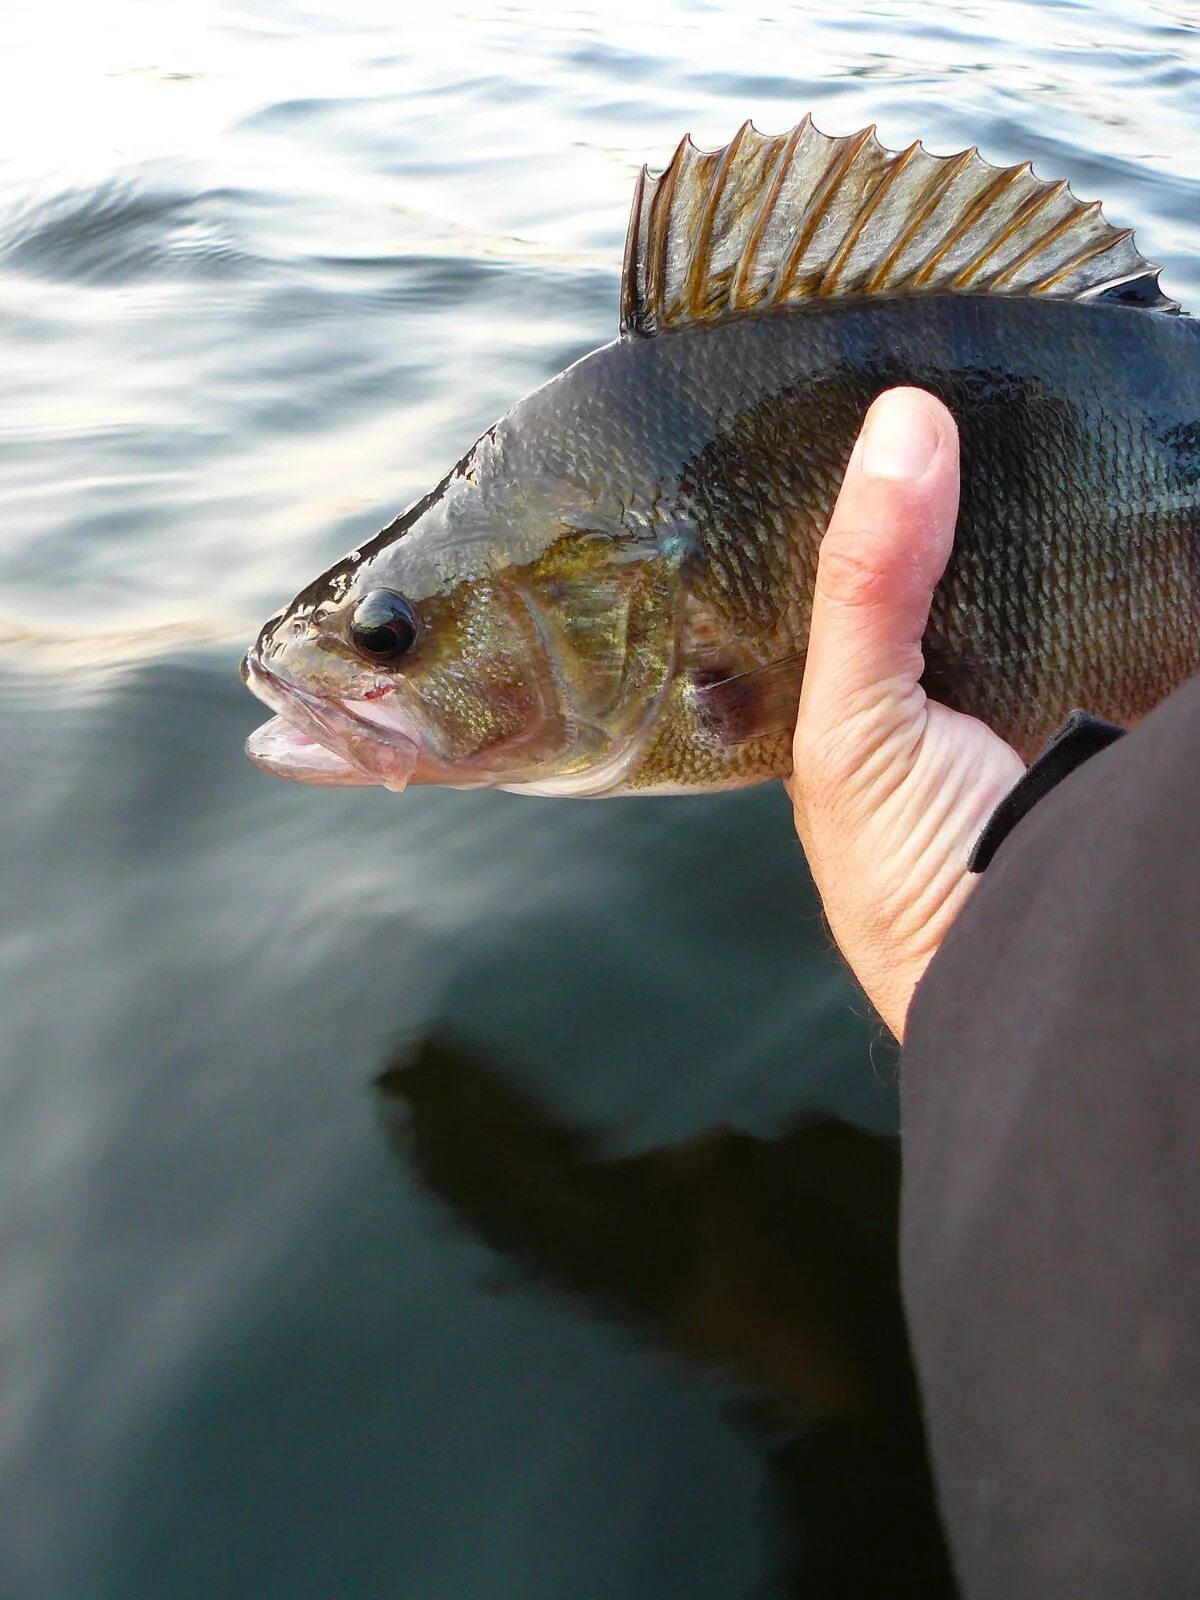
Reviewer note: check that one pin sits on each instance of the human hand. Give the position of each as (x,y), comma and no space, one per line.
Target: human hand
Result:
(890,789)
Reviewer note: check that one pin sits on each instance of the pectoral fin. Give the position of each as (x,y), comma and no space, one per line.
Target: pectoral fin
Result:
(750,705)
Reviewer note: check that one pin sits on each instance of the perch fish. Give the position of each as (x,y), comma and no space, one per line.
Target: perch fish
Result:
(610,593)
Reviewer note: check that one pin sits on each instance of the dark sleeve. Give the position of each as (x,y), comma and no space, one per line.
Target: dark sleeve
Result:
(1051,1198)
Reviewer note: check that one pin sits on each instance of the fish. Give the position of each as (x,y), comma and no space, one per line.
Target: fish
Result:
(610,593)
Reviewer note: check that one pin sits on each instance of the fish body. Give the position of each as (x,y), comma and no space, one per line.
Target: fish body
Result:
(610,593)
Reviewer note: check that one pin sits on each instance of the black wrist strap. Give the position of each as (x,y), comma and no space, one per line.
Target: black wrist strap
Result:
(1080,737)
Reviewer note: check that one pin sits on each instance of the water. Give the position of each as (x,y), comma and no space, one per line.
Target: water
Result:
(575,1302)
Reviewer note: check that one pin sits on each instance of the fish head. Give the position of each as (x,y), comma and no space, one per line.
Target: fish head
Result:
(500,634)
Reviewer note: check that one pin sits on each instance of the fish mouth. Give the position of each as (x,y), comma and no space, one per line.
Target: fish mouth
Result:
(313,739)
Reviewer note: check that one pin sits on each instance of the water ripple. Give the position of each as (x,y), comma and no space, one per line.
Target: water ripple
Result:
(121,233)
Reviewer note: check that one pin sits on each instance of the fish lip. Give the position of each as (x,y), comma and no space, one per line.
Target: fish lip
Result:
(333,724)
(282,750)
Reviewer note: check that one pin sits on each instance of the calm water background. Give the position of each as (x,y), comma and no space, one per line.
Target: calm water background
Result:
(264,272)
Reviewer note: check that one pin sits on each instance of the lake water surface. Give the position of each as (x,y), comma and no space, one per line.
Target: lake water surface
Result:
(577,1301)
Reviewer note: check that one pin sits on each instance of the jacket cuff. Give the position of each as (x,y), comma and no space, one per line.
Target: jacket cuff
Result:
(1080,737)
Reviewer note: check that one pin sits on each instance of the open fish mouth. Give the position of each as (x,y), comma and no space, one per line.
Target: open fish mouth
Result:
(325,741)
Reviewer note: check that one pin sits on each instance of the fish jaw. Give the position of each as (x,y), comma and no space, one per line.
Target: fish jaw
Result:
(285,751)
(316,740)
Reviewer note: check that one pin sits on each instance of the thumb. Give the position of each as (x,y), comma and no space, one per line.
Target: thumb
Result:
(887,544)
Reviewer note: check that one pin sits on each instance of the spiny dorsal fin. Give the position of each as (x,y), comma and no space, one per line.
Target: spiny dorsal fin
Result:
(801,216)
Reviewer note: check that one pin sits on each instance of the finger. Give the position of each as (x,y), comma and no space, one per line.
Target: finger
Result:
(886,547)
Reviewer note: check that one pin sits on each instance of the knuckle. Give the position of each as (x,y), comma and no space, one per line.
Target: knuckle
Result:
(847,574)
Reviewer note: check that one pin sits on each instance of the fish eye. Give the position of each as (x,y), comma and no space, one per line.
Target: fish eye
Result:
(383,626)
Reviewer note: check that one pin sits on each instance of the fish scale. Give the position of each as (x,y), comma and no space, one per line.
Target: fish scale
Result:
(1065,470)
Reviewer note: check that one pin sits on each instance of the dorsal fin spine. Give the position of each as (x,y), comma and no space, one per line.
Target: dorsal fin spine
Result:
(700,264)
(1004,179)
(738,297)
(629,267)
(829,281)
(1033,207)
(786,271)
(1006,274)
(660,223)
(1075,263)
(935,189)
